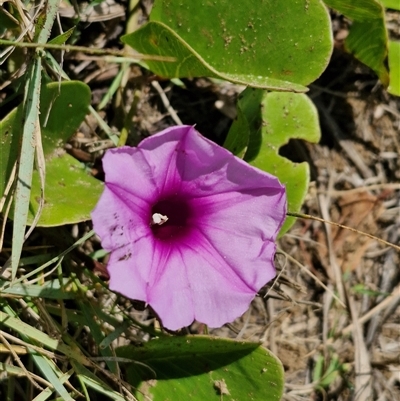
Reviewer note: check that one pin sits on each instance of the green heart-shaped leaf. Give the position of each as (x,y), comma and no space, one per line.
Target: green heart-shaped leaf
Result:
(358,10)
(273,119)
(70,192)
(367,38)
(279,45)
(393,4)
(203,368)
(394,67)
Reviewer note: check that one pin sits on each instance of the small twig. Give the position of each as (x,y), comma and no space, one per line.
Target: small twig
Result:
(39,350)
(383,305)
(362,366)
(386,284)
(276,280)
(313,276)
(332,257)
(8,186)
(335,192)
(166,102)
(11,183)
(19,362)
(325,323)
(346,144)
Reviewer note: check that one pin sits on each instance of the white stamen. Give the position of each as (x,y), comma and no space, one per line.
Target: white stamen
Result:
(158,219)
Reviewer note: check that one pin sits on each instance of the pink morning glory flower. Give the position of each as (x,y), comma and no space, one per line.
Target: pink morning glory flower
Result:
(191,228)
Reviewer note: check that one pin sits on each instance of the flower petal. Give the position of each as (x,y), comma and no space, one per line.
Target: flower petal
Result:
(197,283)
(162,152)
(249,258)
(118,218)
(129,270)
(171,295)
(128,169)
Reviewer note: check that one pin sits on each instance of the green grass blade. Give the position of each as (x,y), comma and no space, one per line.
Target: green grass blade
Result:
(106,342)
(46,394)
(24,179)
(51,12)
(113,87)
(90,313)
(95,383)
(56,259)
(45,365)
(61,39)
(28,331)
(50,290)
(107,130)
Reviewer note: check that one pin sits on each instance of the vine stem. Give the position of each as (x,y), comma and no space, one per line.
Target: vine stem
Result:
(89,50)
(332,223)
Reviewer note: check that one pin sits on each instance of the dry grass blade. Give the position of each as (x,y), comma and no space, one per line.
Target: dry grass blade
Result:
(337,273)
(363,383)
(345,143)
(24,345)
(19,362)
(314,277)
(393,298)
(166,102)
(8,194)
(15,371)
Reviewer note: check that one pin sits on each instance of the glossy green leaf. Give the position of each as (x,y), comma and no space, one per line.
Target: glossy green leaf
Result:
(157,39)
(70,192)
(63,107)
(279,45)
(367,39)
(203,368)
(247,124)
(238,136)
(394,68)
(393,4)
(10,134)
(359,10)
(275,118)
(287,116)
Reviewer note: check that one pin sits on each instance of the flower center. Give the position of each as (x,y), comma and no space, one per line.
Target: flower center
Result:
(169,219)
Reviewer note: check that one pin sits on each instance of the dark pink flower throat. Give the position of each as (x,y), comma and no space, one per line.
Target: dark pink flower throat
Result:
(174,214)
